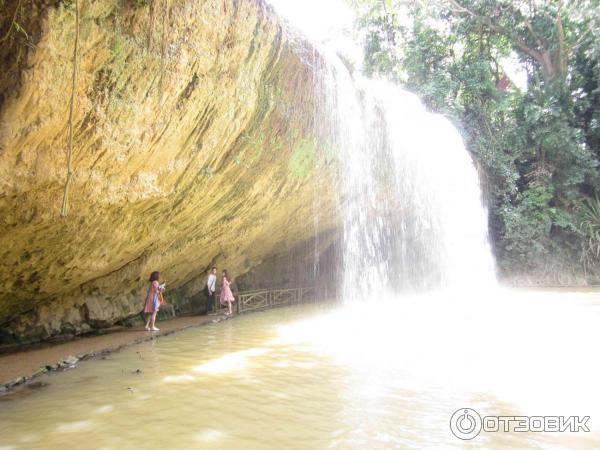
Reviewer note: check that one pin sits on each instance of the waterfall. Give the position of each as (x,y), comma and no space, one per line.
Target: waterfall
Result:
(413,217)
(411,205)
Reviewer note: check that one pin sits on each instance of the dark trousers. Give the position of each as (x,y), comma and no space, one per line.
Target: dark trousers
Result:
(210,302)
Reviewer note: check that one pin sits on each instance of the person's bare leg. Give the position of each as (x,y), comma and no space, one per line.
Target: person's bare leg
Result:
(229,304)
(147,327)
(154,321)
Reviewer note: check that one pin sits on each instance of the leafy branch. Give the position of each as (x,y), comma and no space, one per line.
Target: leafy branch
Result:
(550,67)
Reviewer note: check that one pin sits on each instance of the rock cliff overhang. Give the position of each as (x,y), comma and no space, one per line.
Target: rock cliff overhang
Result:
(193,143)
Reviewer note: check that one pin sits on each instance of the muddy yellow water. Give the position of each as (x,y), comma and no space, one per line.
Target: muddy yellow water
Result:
(386,375)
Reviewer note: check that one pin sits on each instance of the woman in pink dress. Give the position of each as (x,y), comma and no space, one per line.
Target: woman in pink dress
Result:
(226,294)
(153,301)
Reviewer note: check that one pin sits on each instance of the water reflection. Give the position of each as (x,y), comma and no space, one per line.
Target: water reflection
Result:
(230,362)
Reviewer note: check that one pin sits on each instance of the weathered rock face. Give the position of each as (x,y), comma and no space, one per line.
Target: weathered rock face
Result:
(194,144)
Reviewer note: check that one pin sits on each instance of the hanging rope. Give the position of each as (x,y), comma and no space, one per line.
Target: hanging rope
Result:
(163,49)
(12,22)
(65,204)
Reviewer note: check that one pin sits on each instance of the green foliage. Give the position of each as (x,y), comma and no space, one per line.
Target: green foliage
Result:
(538,146)
(20,29)
(590,228)
(527,239)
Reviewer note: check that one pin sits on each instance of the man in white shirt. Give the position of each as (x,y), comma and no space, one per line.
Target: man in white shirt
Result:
(211,288)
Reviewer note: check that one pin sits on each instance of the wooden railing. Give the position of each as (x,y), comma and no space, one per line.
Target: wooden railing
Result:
(267,298)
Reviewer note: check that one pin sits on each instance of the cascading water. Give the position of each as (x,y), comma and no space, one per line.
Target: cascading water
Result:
(411,202)
(412,210)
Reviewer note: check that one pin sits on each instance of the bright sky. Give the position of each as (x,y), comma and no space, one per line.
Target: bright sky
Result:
(324,21)
(319,19)
(515,72)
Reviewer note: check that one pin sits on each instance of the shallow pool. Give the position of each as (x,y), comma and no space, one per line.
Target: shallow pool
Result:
(377,375)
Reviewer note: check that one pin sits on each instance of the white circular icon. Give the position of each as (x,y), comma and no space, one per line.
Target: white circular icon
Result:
(465,423)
